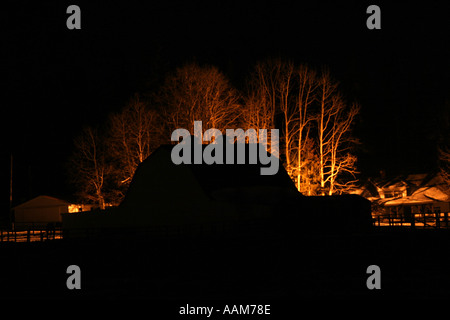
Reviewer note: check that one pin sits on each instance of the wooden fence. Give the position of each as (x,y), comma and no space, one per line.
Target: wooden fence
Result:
(30,235)
(434,220)
(413,220)
(216,230)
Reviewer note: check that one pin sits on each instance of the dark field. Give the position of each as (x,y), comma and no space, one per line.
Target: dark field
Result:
(414,264)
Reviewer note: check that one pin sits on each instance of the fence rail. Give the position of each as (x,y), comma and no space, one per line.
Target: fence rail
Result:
(186,231)
(414,220)
(30,235)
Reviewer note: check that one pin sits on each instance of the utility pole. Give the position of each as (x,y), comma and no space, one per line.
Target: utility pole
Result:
(10,188)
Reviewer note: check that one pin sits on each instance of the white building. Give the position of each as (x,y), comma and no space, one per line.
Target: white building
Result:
(44,210)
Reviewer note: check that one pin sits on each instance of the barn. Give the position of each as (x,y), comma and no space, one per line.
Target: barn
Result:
(192,195)
(162,193)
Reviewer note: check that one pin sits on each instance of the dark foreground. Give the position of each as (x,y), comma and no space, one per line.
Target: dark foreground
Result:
(413,265)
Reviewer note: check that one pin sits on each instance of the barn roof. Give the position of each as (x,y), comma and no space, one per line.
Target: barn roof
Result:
(223,176)
(213,181)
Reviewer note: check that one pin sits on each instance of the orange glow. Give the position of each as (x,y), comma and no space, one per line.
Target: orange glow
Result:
(74,208)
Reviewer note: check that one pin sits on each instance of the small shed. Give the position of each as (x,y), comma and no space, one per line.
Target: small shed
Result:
(39,212)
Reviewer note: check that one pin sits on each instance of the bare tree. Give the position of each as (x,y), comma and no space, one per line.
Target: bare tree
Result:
(444,159)
(283,85)
(88,166)
(342,142)
(326,112)
(260,104)
(295,88)
(334,121)
(195,93)
(443,145)
(301,98)
(306,173)
(303,166)
(133,134)
(270,92)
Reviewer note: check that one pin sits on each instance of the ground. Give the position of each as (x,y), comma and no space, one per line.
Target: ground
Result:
(414,264)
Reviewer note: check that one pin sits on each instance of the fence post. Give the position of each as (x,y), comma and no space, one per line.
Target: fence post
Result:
(413,220)
(438,219)
(446,219)
(28,235)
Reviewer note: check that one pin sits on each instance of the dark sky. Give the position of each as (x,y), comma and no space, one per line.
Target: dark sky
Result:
(58,80)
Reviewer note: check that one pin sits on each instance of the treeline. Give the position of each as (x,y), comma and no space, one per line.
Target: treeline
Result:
(315,123)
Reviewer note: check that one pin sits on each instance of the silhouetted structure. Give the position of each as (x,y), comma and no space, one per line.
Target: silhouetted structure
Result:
(191,195)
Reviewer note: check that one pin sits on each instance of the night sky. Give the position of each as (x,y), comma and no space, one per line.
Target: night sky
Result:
(56,80)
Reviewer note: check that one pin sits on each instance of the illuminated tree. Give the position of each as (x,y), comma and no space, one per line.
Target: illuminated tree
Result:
(133,134)
(444,159)
(304,157)
(103,162)
(198,93)
(334,120)
(89,168)
(261,102)
(444,144)
(306,166)
(283,85)
(315,123)
(282,90)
